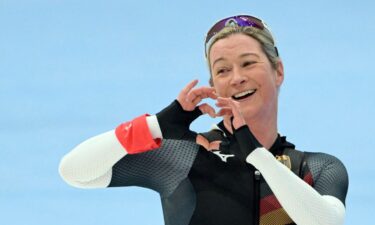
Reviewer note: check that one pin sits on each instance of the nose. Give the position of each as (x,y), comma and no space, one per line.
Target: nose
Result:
(237,78)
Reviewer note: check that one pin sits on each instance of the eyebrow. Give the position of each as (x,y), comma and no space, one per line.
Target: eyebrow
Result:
(217,60)
(249,54)
(241,56)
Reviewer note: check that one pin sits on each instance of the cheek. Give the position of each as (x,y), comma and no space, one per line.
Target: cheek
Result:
(271,80)
(220,87)
(268,86)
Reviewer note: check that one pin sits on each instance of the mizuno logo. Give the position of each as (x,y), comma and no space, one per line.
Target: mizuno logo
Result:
(223,157)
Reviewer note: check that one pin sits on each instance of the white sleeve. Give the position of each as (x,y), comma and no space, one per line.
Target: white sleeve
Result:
(303,203)
(89,165)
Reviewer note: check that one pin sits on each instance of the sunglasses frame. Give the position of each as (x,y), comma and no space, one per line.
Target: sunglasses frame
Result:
(234,21)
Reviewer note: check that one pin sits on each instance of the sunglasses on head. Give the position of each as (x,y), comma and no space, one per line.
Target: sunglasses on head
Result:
(234,21)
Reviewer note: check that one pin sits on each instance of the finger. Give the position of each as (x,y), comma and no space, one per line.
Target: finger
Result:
(211,111)
(225,112)
(188,87)
(223,102)
(228,102)
(207,109)
(196,101)
(215,145)
(200,140)
(238,119)
(212,95)
(182,96)
(235,108)
(202,92)
(205,90)
(194,98)
(222,99)
(226,108)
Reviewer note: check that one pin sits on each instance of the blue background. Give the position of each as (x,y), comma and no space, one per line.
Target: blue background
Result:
(74,69)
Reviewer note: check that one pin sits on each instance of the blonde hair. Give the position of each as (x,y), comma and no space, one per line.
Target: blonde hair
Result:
(264,37)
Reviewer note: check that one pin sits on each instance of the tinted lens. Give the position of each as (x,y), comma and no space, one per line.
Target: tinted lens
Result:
(241,21)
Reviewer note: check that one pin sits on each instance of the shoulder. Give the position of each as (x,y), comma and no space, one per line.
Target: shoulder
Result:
(329,174)
(320,160)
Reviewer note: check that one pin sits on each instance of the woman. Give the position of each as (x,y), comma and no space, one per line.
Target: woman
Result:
(241,172)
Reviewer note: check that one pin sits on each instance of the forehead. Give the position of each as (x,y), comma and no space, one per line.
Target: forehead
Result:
(233,46)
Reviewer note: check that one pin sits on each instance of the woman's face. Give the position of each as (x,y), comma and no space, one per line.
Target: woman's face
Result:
(241,70)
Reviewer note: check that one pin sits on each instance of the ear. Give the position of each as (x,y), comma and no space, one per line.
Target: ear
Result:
(279,73)
(210,81)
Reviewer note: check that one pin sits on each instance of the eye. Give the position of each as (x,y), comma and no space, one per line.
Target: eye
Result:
(221,71)
(248,63)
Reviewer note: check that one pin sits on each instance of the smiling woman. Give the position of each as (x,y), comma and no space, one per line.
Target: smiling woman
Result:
(242,171)
(242,71)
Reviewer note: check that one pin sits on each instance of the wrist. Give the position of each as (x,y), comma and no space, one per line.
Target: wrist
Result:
(154,127)
(246,141)
(174,122)
(135,136)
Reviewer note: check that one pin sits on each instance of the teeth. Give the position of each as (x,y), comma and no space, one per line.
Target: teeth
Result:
(239,95)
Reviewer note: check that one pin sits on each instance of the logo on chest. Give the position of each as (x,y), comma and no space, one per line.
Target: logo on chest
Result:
(223,157)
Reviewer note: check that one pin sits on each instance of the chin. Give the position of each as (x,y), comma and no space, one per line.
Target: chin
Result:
(249,112)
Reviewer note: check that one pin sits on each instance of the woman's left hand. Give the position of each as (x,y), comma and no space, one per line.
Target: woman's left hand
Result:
(231,108)
(245,138)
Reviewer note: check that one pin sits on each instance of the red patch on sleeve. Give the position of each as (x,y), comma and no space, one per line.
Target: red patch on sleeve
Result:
(135,136)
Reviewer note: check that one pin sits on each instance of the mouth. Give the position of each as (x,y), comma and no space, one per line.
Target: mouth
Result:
(243,95)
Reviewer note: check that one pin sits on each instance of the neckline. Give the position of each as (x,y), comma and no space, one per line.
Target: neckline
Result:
(277,147)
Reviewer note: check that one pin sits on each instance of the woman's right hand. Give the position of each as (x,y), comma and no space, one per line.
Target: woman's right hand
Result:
(189,98)
(175,120)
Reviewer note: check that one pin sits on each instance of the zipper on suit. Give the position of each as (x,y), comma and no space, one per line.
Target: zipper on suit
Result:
(257,176)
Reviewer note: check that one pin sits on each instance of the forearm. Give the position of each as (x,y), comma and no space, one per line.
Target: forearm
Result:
(91,159)
(90,164)
(302,203)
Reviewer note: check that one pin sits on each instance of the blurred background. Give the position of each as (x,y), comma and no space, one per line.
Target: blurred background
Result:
(74,69)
